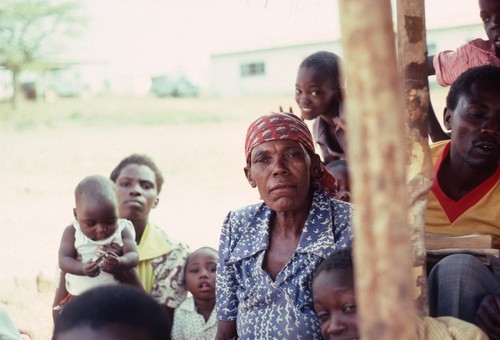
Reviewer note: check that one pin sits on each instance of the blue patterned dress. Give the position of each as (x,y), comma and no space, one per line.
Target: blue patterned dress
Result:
(283,308)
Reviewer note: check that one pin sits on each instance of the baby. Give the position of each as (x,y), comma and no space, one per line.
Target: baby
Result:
(96,224)
(195,317)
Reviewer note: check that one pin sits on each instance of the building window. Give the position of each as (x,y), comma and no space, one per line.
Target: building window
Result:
(431,48)
(252,69)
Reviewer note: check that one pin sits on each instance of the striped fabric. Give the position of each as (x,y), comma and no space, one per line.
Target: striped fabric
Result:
(450,64)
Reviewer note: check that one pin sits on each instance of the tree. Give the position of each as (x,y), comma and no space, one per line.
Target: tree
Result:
(30,30)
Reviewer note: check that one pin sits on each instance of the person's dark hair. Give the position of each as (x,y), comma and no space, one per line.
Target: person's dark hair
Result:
(466,83)
(195,252)
(339,259)
(336,163)
(122,305)
(326,62)
(139,160)
(99,188)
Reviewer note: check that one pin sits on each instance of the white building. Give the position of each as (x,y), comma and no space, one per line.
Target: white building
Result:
(272,71)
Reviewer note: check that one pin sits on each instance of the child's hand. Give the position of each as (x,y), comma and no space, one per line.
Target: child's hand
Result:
(289,110)
(91,269)
(112,248)
(111,262)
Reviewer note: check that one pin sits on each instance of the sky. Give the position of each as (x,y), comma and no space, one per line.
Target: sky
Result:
(153,37)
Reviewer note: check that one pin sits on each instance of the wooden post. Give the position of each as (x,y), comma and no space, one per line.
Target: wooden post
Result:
(377,156)
(412,51)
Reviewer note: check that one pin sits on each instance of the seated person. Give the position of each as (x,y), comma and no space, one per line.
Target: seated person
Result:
(269,251)
(195,317)
(113,313)
(335,303)
(465,197)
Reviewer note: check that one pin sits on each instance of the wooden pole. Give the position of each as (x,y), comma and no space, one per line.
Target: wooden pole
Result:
(377,156)
(412,50)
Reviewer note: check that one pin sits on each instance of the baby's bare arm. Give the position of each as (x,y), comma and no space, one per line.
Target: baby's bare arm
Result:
(67,253)
(130,258)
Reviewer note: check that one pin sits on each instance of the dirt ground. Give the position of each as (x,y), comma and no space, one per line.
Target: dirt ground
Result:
(47,148)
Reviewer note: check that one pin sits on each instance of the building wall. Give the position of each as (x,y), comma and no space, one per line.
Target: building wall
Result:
(280,64)
(279,73)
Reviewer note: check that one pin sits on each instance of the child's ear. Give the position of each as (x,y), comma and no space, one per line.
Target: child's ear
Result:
(249,177)
(74,213)
(447,117)
(155,204)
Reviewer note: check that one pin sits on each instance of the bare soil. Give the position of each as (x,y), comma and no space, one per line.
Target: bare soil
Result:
(47,148)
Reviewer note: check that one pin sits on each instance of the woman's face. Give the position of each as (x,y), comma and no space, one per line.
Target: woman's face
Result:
(281,171)
(137,193)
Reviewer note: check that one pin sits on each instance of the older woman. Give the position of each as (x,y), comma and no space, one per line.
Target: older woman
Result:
(268,252)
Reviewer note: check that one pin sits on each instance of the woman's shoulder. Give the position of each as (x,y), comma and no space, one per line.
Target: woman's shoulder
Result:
(340,210)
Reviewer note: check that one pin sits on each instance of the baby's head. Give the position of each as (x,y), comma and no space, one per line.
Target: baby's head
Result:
(200,272)
(489,11)
(319,85)
(114,313)
(334,296)
(339,169)
(96,207)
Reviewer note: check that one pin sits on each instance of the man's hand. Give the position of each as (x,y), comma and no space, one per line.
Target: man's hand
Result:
(488,316)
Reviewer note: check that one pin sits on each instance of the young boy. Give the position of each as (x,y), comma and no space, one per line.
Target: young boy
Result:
(195,317)
(319,93)
(113,313)
(96,224)
(335,304)
(338,168)
(448,65)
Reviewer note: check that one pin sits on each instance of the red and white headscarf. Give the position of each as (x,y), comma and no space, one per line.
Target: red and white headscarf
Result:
(286,126)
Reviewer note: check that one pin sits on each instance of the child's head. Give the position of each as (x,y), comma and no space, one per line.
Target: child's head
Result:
(489,11)
(334,296)
(319,86)
(113,313)
(200,271)
(96,207)
(338,168)
(138,182)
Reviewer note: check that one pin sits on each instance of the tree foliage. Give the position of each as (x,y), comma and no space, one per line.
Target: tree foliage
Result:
(31,30)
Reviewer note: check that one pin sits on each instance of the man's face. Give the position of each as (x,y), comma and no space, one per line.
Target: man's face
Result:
(475,128)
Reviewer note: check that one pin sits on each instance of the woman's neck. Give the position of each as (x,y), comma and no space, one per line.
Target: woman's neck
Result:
(139,226)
